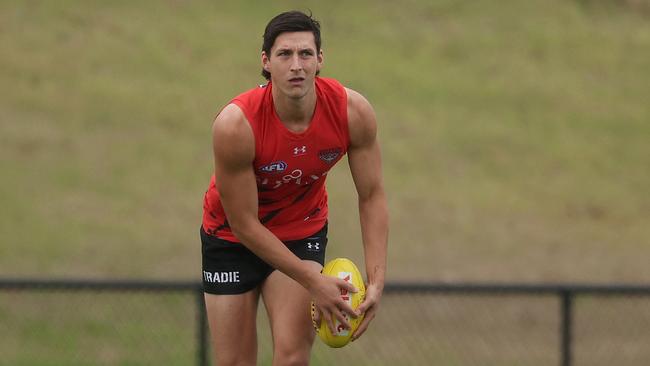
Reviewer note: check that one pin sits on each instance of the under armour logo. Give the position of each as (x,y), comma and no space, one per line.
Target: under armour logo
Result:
(302,150)
(313,246)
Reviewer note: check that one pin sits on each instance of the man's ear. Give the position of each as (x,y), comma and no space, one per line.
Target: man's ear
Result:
(265,61)
(319,58)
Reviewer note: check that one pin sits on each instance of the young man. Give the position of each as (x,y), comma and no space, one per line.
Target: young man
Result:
(264,228)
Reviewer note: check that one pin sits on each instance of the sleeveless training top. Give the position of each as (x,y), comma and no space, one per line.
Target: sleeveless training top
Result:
(290,167)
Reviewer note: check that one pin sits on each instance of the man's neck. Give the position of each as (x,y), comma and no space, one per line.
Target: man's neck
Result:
(294,113)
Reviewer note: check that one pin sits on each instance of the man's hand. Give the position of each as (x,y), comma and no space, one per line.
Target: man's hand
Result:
(326,293)
(369,307)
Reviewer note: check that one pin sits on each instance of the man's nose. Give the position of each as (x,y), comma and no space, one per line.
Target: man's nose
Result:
(296,65)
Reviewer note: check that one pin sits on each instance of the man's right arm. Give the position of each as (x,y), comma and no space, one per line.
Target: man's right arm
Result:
(234,152)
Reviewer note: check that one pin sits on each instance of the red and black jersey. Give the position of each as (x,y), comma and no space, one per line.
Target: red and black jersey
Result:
(290,167)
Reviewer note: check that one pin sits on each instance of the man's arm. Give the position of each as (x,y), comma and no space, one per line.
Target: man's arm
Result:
(234,152)
(365,164)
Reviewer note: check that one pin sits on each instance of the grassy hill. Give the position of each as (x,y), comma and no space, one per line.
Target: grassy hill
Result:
(515,133)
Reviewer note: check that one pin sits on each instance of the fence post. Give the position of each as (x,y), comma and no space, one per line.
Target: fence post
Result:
(567,326)
(202,336)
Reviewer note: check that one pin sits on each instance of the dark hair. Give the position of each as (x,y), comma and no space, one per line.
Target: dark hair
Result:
(290,21)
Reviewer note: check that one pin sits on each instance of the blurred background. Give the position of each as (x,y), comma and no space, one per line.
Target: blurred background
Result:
(516,148)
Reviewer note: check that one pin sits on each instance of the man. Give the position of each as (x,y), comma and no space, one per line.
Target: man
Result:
(264,228)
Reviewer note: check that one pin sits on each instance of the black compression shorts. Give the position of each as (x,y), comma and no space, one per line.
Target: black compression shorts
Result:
(231,268)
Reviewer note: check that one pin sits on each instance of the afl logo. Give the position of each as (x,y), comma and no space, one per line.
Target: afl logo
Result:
(329,155)
(274,167)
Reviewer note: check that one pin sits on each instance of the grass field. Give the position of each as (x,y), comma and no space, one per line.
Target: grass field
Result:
(515,137)
(515,134)
(39,328)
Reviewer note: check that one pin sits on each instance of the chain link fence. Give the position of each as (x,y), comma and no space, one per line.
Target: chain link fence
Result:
(146,323)
(101,323)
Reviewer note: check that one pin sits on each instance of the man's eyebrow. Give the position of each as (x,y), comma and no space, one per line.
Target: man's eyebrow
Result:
(290,49)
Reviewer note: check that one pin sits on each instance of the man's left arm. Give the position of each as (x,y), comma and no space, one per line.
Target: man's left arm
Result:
(365,165)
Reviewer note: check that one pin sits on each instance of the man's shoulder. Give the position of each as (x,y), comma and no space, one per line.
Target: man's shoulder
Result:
(232,135)
(361,119)
(230,120)
(356,101)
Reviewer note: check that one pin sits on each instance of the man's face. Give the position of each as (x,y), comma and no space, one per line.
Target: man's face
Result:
(293,63)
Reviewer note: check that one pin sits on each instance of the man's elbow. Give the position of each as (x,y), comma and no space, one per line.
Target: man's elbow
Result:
(375,194)
(242,228)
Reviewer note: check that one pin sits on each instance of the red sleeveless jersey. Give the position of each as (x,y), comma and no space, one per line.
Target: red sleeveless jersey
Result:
(290,168)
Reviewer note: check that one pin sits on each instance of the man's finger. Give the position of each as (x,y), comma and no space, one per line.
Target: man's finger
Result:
(363,307)
(330,322)
(347,286)
(364,325)
(346,308)
(362,328)
(342,320)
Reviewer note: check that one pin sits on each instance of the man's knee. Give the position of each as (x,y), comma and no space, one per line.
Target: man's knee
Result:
(290,357)
(235,360)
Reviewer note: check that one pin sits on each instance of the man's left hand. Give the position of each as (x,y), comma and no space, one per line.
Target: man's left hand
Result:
(369,307)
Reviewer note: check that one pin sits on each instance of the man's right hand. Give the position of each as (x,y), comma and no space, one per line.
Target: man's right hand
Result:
(326,294)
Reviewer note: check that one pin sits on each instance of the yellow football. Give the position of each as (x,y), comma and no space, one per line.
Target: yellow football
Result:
(345,269)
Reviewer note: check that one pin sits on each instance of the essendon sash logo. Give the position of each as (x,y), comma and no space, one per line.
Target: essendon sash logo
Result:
(329,155)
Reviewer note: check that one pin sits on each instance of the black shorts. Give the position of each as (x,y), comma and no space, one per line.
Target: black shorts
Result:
(231,268)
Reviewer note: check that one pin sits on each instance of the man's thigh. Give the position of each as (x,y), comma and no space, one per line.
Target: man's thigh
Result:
(287,302)
(231,278)
(233,327)
(288,306)
(230,268)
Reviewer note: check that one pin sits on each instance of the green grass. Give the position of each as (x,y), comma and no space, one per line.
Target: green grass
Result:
(81,328)
(515,135)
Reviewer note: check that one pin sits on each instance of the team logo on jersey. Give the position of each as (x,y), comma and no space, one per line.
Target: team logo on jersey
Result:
(274,167)
(329,155)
